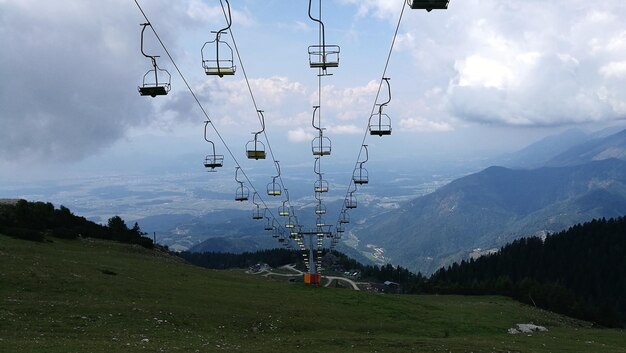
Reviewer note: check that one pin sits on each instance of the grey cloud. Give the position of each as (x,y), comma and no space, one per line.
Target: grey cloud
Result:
(70,73)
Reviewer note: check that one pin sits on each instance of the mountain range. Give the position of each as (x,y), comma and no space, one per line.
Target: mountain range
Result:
(482,211)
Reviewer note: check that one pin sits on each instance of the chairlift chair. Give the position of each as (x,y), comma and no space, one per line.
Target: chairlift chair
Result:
(380,123)
(320,186)
(273,188)
(322,56)
(320,209)
(291,223)
(283,210)
(428,5)
(219,66)
(212,161)
(242,193)
(255,149)
(320,222)
(344,218)
(359,176)
(269,226)
(351,201)
(156,88)
(257,213)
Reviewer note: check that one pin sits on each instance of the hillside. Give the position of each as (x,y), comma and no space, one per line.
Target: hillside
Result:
(612,146)
(90,295)
(578,272)
(490,208)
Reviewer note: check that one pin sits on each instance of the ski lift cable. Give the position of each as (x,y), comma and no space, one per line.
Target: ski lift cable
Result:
(380,85)
(203,109)
(254,102)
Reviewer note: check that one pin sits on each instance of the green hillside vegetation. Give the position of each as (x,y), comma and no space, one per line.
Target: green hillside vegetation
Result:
(35,220)
(92,295)
(580,272)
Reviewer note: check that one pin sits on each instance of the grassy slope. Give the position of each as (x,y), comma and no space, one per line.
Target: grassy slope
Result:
(96,296)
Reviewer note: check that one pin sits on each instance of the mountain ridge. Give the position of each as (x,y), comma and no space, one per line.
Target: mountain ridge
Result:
(496,205)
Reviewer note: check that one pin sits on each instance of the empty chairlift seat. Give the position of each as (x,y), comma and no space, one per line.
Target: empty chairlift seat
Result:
(323,56)
(428,5)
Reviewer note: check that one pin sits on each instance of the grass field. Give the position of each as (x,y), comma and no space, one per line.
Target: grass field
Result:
(97,296)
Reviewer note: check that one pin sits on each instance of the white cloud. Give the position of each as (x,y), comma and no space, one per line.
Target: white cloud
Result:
(421,125)
(299,135)
(614,70)
(346,129)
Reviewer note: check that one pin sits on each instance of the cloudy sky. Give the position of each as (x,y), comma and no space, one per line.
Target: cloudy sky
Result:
(484,76)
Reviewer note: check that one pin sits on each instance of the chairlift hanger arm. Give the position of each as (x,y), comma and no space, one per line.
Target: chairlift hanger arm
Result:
(262,118)
(229,19)
(367,156)
(315,109)
(152,57)
(386,79)
(321,25)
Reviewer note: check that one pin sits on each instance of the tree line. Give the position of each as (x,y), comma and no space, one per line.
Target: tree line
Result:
(580,272)
(36,220)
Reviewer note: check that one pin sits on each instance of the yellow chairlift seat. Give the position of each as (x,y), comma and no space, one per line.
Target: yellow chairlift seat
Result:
(220,71)
(320,186)
(273,192)
(428,5)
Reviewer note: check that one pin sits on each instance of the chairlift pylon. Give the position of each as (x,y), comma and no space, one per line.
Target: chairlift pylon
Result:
(242,193)
(428,5)
(255,149)
(155,88)
(380,123)
(219,66)
(212,161)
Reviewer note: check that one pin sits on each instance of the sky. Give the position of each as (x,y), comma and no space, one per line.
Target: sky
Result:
(481,78)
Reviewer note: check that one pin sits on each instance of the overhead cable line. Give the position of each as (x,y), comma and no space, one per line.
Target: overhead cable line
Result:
(254,102)
(349,192)
(208,119)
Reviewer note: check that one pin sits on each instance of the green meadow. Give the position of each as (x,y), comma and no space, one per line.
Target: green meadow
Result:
(86,295)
